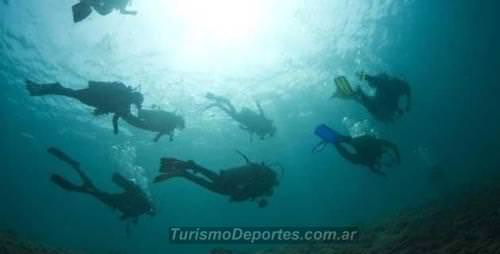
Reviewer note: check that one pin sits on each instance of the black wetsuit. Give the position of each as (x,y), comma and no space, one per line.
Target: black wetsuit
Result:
(385,104)
(105,97)
(368,151)
(248,182)
(162,122)
(132,202)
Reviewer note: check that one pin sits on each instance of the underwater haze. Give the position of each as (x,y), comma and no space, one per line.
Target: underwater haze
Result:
(284,54)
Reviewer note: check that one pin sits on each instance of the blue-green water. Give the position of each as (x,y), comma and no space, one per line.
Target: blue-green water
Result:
(282,53)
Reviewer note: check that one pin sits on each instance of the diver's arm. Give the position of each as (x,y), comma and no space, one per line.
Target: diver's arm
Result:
(158,136)
(354,158)
(261,111)
(115,123)
(209,185)
(126,12)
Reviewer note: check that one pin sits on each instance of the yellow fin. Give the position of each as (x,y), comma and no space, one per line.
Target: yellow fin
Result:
(344,88)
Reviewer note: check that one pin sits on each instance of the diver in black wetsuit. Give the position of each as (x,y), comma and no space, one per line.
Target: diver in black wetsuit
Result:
(366,150)
(253,123)
(132,202)
(251,181)
(385,104)
(106,97)
(83,9)
(160,121)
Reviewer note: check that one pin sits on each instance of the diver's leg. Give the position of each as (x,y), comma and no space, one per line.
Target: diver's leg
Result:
(209,185)
(124,183)
(86,187)
(59,154)
(205,172)
(227,108)
(222,102)
(175,166)
(102,9)
(218,99)
(63,157)
(87,183)
(36,89)
(65,184)
(353,158)
(230,107)
(231,112)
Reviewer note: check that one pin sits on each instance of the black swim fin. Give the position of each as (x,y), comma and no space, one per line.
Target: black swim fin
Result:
(64,157)
(81,11)
(174,165)
(35,89)
(65,184)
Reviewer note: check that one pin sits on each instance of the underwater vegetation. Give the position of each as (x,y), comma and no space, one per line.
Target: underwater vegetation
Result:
(11,244)
(465,222)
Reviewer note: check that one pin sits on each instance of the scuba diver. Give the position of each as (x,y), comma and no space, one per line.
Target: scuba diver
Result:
(156,120)
(252,181)
(253,123)
(106,97)
(368,150)
(83,9)
(385,104)
(132,202)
